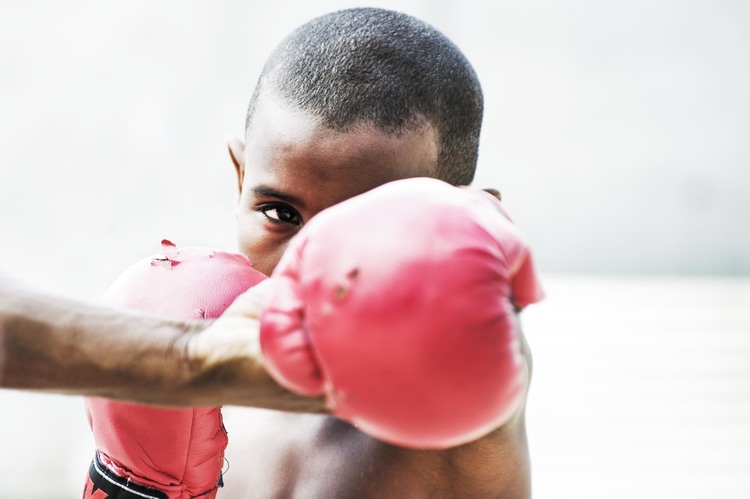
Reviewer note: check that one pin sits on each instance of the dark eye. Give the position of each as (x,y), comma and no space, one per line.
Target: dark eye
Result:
(280,213)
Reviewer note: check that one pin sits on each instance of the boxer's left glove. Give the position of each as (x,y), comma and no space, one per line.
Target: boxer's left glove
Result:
(147,451)
(399,305)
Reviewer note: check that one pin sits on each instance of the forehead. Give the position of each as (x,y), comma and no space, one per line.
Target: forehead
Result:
(288,146)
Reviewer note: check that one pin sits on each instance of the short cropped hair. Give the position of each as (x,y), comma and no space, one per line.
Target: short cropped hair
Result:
(382,68)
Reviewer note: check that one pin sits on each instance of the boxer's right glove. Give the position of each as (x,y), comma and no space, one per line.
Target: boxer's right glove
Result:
(398,304)
(154,452)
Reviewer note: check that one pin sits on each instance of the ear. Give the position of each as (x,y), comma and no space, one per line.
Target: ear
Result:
(236,147)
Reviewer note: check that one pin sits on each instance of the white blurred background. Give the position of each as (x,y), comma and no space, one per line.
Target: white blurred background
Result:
(617,131)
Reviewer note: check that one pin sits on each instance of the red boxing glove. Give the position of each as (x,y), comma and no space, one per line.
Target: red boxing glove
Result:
(398,304)
(146,451)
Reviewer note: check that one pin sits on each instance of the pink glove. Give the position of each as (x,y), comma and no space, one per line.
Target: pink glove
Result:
(398,304)
(177,452)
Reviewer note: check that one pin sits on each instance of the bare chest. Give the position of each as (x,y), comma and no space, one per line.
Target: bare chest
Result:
(273,455)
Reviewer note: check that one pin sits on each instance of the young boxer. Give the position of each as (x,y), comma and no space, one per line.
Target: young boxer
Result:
(348,102)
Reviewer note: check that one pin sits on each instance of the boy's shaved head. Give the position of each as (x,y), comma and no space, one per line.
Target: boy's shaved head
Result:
(382,68)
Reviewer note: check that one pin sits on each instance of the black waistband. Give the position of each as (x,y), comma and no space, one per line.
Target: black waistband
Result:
(103,484)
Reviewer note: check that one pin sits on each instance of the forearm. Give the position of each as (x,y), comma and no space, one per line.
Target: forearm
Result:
(52,344)
(242,381)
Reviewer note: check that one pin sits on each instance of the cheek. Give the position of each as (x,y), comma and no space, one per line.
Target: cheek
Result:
(265,260)
(264,249)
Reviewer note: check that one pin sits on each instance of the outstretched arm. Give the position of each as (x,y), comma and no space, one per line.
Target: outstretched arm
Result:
(49,343)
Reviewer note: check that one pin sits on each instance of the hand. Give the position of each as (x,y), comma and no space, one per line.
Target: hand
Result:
(235,335)
(227,360)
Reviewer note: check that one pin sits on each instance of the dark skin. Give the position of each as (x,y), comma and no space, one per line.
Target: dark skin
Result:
(53,344)
(290,169)
(291,455)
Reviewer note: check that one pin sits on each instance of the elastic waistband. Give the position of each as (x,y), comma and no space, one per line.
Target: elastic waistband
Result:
(103,484)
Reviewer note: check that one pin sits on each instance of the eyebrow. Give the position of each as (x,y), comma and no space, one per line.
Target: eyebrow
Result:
(266,190)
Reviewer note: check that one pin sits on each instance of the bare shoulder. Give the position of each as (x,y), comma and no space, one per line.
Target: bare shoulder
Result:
(292,455)
(496,465)
(275,454)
